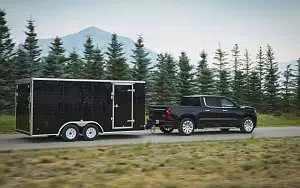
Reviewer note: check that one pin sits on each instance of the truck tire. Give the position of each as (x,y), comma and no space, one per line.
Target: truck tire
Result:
(90,132)
(186,127)
(166,129)
(70,133)
(247,125)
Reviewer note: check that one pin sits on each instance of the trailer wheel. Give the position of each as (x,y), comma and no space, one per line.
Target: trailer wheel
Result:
(90,132)
(70,133)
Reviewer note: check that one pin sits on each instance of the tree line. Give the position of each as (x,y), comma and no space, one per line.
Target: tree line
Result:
(248,81)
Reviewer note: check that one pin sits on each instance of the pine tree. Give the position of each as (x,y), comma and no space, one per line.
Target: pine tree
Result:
(32,49)
(52,67)
(159,78)
(74,66)
(223,81)
(165,80)
(140,61)
(297,74)
(254,86)
(271,80)
(94,69)
(247,71)
(171,80)
(238,84)
(88,50)
(288,89)
(55,61)
(117,68)
(6,42)
(204,77)
(141,65)
(88,57)
(185,76)
(57,47)
(21,65)
(261,73)
(6,72)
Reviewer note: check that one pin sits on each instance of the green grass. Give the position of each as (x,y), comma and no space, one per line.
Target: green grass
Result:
(224,164)
(266,120)
(7,124)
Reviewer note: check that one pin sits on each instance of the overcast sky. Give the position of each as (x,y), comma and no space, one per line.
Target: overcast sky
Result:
(170,26)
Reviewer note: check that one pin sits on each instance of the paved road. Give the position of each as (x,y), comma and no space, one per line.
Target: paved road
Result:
(19,141)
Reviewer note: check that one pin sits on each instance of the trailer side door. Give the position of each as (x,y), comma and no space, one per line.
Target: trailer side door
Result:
(122,109)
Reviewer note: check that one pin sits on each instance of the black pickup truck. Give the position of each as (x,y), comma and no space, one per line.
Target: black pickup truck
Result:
(199,112)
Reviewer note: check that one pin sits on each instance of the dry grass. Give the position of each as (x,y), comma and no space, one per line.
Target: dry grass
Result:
(243,163)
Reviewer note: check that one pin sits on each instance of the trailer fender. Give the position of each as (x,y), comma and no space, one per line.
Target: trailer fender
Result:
(81,124)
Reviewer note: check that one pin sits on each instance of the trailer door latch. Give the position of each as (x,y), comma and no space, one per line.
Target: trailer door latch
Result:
(131,120)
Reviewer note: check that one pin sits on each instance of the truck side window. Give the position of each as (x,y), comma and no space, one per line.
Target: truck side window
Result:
(227,103)
(191,101)
(213,101)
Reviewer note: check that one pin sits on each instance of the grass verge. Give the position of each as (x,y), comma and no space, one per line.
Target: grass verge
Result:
(239,163)
(267,120)
(7,123)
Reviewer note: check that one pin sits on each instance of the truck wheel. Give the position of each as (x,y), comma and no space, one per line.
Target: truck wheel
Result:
(70,133)
(90,132)
(187,126)
(166,129)
(247,126)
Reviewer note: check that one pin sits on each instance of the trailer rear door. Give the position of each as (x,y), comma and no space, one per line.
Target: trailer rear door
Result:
(23,108)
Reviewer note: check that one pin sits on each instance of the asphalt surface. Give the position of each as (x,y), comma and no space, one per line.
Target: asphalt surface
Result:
(20,141)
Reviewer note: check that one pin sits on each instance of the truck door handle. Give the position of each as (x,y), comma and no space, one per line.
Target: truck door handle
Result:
(224,110)
(207,110)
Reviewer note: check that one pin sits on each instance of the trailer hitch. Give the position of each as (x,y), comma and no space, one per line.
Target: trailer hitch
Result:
(149,126)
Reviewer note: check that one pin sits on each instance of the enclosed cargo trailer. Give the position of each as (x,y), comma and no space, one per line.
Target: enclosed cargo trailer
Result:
(73,107)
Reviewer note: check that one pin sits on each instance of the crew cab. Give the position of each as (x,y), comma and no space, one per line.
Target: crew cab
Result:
(202,111)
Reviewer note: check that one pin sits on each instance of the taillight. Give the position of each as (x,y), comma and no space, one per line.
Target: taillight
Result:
(168,113)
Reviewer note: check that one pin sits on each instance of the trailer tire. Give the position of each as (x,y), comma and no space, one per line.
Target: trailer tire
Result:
(90,132)
(187,127)
(70,133)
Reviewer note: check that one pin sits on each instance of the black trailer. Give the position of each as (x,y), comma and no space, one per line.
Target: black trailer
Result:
(73,107)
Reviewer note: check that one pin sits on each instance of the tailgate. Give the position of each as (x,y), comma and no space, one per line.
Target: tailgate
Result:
(157,112)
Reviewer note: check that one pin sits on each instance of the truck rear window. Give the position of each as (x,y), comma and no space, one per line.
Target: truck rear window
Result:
(190,101)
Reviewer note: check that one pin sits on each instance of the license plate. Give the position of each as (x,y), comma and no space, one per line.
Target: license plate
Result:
(156,121)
